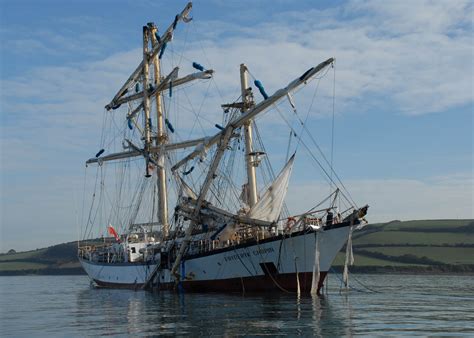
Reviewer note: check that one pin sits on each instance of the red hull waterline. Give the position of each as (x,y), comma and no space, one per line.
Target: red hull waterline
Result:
(255,284)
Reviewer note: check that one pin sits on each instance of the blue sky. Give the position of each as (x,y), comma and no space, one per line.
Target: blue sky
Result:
(404,96)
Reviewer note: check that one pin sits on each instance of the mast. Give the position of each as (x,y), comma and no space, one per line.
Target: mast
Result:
(160,140)
(166,37)
(146,97)
(249,160)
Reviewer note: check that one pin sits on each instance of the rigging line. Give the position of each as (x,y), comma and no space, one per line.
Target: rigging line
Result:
(279,251)
(83,203)
(206,94)
(113,209)
(322,155)
(326,71)
(262,145)
(303,124)
(266,158)
(137,197)
(122,171)
(310,211)
(313,156)
(348,198)
(207,59)
(181,56)
(232,114)
(98,202)
(243,264)
(247,250)
(120,131)
(307,148)
(92,204)
(233,189)
(268,271)
(288,147)
(215,189)
(104,121)
(332,170)
(184,44)
(197,115)
(363,285)
(333,113)
(225,184)
(351,287)
(323,75)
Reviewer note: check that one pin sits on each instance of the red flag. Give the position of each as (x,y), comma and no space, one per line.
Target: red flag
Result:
(113,232)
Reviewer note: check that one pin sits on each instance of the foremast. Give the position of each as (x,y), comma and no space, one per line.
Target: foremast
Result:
(149,35)
(154,148)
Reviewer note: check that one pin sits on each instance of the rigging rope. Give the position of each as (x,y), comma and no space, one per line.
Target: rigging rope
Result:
(333,113)
(304,128)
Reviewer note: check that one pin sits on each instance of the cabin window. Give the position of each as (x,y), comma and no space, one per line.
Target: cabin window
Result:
(133,250)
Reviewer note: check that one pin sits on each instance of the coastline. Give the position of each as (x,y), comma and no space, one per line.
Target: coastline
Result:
(466,269)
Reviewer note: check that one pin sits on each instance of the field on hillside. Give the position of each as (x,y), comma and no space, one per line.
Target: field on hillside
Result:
(388,237)
(414,244)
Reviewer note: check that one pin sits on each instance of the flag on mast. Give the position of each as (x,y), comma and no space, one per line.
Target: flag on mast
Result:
(113,232)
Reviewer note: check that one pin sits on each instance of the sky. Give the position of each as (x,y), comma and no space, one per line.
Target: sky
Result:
(403,113)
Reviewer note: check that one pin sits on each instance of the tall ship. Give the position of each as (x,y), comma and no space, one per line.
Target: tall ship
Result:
(205,213)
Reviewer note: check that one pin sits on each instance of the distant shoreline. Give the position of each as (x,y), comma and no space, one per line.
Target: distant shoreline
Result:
(44,272)
(467,269)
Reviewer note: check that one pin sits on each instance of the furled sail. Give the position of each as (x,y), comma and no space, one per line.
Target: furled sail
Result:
(268,208)
(185,190)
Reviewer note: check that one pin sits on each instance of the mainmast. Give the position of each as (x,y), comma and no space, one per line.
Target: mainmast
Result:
(161,139)
(249,154)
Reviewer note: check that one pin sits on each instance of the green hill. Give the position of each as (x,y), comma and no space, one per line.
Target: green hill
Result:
(425,245)
(410,246)
(56,259)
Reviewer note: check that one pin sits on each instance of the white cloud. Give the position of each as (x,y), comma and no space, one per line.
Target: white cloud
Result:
(418,55)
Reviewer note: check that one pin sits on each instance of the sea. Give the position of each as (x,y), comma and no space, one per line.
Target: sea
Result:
(374,305)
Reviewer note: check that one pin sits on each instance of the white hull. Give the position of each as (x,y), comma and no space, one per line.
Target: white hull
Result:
(270,264)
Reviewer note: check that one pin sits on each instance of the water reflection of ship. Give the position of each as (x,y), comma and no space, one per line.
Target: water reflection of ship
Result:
(111,312)
(118,312)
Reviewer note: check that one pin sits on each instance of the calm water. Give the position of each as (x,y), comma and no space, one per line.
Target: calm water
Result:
(403,305)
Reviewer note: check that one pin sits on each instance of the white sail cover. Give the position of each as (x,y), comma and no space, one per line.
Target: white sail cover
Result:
(268,208)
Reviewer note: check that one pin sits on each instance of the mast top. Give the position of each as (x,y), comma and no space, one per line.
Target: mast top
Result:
(166,37)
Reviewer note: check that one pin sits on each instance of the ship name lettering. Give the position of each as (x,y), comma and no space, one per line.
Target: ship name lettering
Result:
(262,251)
(236,256)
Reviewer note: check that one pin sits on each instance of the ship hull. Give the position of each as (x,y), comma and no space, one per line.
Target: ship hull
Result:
(117,275)
(273,264)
